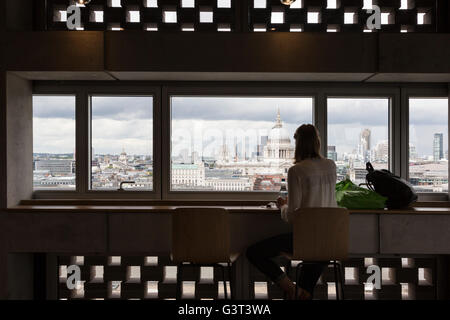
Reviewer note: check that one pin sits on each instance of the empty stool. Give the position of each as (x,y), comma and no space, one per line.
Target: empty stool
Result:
(201,237)
(321,236)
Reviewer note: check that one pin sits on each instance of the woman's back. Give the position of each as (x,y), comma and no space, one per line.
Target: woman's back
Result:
(311,183)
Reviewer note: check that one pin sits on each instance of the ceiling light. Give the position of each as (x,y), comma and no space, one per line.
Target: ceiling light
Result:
(83,2)
(287,2)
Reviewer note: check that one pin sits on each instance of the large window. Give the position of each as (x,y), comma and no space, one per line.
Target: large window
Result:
(191,142)
(428,144)
(358,132)
(122,142)
(53,142)
(234,143)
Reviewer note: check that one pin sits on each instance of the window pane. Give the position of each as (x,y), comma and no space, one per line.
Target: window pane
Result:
(358,132)
(122,143)
(234,143)
(428,144)
(53,142)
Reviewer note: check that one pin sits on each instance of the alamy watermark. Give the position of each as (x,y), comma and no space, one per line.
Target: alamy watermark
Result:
(374,21)
(74,18)
(375,276)
(74,282)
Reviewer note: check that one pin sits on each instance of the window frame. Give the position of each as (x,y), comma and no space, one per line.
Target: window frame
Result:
(75,138)
(231,90)
(161,91)
(422,92)
(83,93)
(394,133)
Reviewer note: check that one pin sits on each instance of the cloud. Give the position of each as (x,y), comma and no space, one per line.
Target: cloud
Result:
(367,112)
(122,108)
(116,108)
(55,135)
(54,107)
(428,112)
(292,109)
(205,121)
(111,136)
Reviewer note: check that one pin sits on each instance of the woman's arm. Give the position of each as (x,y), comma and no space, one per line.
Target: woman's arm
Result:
(294,196)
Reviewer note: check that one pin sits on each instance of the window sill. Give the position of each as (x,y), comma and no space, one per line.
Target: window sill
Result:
(141,206)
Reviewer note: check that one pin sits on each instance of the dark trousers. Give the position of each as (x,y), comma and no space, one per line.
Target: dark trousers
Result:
(262,253)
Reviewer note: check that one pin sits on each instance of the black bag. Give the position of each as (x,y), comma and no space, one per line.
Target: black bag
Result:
(400,193)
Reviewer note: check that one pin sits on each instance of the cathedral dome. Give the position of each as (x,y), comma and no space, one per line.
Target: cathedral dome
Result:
(278,134)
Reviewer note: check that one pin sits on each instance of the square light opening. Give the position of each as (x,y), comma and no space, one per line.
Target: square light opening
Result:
(188,3)
(151,3)
(332,4)
(115,27)
(296,28)
(277,17)
(151,290)
(259,28)
(170,16)
(313,17)
(97,16)
(187,27)
(133,16)
(97,273)
(151,27)
(296,5)
(407,4)
(385,17)
(259,4)
(114,260)
(367,4)
(224,27)
(332,29)
(223,3)
(115,3)
(60,16)
(351,276)
(151,261)
(206,15)
(350,17)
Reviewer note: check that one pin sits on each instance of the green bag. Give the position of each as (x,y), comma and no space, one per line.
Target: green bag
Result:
(350,196)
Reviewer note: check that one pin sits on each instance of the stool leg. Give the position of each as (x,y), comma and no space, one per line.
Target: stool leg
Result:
(225,291)
(288,271)
(342,279)
(336,280)
(297,279)
(179,281)
(230,277)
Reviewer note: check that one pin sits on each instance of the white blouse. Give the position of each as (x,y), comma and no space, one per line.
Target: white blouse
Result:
(311,184)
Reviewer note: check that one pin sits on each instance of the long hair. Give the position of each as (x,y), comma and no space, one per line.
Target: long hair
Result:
(307,143)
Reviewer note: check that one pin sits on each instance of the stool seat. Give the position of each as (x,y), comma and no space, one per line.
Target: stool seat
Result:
(201,237)
(320,235)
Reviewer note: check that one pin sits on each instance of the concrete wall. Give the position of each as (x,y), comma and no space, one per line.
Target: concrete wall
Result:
(19,135)
(20,15)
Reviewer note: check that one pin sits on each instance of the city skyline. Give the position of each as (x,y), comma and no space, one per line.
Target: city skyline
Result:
(229,143)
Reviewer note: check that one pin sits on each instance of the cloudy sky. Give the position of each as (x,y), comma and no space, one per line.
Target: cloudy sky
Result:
(204,123)
(427,117)
(118,122)
(53,124)
(347,118)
